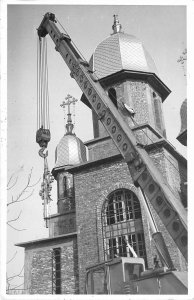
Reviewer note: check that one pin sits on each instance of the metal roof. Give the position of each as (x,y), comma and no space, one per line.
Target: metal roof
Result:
(70,151)
(121,51)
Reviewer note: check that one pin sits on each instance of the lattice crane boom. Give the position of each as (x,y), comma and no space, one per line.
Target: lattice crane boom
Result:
(141,167)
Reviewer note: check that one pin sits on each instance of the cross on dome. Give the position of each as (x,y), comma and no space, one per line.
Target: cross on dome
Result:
(67,102)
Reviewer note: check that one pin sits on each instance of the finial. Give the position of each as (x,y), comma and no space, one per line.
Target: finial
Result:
(116,26)
(69,100)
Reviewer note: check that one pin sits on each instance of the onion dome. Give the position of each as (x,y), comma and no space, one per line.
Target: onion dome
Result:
(70,150)
(121,51)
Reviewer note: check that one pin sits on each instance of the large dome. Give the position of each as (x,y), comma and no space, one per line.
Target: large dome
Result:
(70,151)
(121,51)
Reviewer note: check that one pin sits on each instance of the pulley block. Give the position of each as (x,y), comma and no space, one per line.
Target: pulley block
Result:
(43,136)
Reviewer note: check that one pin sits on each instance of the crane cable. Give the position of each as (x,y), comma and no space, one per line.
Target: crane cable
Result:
(43,123)
(43,120)
(42,85)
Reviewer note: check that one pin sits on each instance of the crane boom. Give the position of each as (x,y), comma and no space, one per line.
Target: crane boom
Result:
(142,169)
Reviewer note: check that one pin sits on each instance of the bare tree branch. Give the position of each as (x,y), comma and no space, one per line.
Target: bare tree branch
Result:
(18,197)
(13,220)
(14,276)
(8,284)
(12,257)
(24,190)
(11,177)
(24,194)
(14,288)
(10,187)
(15,227)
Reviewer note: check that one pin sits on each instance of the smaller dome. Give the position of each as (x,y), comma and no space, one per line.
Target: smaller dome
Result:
(70,151)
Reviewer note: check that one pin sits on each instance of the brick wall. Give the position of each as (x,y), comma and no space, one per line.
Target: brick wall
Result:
(138,95)
(92,186)
(104,147)
(62,224)
(38,267)
(91,189)
(101,148)
(176,176)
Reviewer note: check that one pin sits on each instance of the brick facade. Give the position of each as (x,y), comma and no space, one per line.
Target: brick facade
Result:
(92,186)
(140,96)
(39,266)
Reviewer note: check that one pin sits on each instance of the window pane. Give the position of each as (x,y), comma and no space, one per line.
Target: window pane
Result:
(116,278)
(99,282)
(110,213)
(122,246)
(119,211)
(132,271)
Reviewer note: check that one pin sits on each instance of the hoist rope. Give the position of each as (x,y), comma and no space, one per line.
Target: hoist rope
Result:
(47,93)
(37,90)
(42,85)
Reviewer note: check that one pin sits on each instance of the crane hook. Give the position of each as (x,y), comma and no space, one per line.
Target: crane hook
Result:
(40,152)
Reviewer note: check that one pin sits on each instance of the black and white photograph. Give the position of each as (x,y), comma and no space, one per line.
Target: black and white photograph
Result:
(94,180)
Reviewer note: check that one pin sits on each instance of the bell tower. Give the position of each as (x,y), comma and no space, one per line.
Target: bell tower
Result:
(129,76)
(69,152)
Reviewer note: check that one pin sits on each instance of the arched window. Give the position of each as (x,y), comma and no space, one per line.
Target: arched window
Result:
(122,225)
(113,96)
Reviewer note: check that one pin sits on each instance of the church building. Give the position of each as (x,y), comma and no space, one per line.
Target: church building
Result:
(99,208)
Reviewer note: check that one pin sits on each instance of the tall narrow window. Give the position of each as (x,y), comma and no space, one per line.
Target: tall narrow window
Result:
(113,96)
(65,186)
(56,271)
(122,225)
(157,110)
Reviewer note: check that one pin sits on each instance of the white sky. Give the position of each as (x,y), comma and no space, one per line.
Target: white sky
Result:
(162,29)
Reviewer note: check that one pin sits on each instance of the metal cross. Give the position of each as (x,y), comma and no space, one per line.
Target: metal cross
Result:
(69,100)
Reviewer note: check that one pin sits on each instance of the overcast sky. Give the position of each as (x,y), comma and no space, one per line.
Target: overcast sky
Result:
(162,29)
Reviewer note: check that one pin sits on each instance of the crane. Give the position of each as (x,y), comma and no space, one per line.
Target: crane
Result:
(142,169)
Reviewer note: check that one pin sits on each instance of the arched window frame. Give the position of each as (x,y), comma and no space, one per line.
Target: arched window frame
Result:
(124,225)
